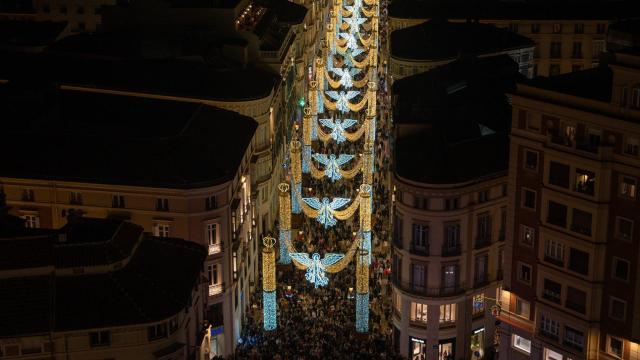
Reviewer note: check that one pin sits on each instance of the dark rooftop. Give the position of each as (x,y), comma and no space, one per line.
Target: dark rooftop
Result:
(17,7)
(594,84)
(126,140)
(440,39)
(455,119)
(155,284)
(30,33)
(517,10)
(173,77)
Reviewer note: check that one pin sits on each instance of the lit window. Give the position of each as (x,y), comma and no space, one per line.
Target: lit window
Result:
(554,252)
(522,308)
(520,343)
(527,235)
(615,346)
(585,181)
(447,313)
(418,312)
(549,327)
(552,355)
(211,233)
(162,230)
(117,201)
(31,221)
(628,187)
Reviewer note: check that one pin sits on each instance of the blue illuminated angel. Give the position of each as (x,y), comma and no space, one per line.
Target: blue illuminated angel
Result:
(352,43)
(346,76)
(332,164)
(338,127)
(326,209)
(342,98)
(316,268)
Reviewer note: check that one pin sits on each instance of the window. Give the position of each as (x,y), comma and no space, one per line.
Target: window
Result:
(419,312)
(557,214)
(173,325)
(478,304)
(631,146)
(531,160)
(420,239)
(601,28)
(557,28)
(533,123)
(100,338)
(524,273)
(573,338)
(513,27)
(75,198)
(635,97)
(535,28)
(162,230)
(449,278)
(158,331)
(162,204)
(447,313)
(397,231)
(624,228)
(211,234)
(417,276)
(483,196)
(559,174)
(31,221)
(481,268)
(212,274)
(527,235)
(615,346)
(554,69)
(555,51)
(452,237)
(554,252)
(624,94)
(552,355)
(581,222)
(528,199)
(579,261)
(211,203)
(585,181)
(578,28)
(520,343)
(551,290)
(628,187)
(420,203)
(549,327)
(117,201)
(522,308)
(576,300)
(27,195)
(617,308)
(503,223)
(484,229)
(451,204)
(397,302)
(620,269)
(235,266)
(576,52)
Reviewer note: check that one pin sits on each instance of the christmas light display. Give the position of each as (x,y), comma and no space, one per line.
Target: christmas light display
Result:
(269,310)
(337,128)
(326,209)
(333,164)
(362,291)
(316,268)
(285,222)
(296,172)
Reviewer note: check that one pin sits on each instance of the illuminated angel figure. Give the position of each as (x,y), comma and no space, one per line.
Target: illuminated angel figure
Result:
(338,127)
(326,209)
(342,98)
(316,268)
(346,76)
(332,164)
(355,20)
(352,43)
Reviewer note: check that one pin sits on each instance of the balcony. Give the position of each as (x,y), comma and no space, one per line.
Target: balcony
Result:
(577,307)
(428,291)
(480,280)
(548,334)
(588,146)
(451,251)
(551,295)
(581,229)
(560,139)
(215,249)
(482,241)
(215,289)
(554,261)
(419,250)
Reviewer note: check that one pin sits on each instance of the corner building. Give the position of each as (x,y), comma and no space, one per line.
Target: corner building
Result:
(572,288)
(449,177)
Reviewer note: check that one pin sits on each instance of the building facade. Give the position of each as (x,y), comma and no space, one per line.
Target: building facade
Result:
(571,291)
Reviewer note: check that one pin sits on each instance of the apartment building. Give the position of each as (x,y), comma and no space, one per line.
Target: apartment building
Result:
(99,288)
(177,169)
(450,207)
(437,42)
(568,36)
(571,288)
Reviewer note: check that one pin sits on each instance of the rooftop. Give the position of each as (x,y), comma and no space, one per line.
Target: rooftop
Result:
(517,10)
(455,118)
(440,39)
(127,140)
(162,76)
(594,83)
(155,284)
